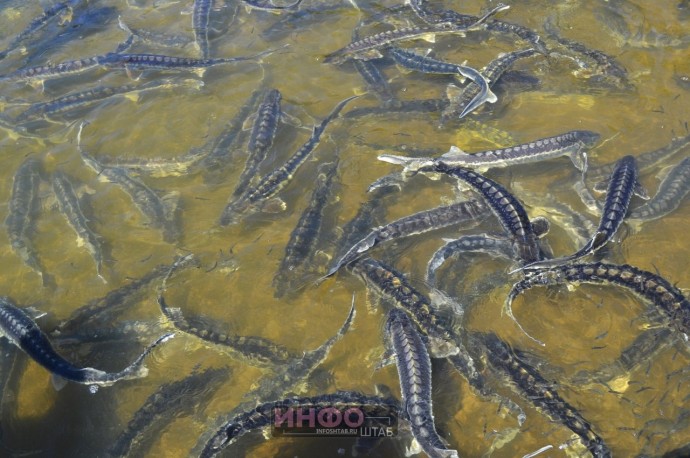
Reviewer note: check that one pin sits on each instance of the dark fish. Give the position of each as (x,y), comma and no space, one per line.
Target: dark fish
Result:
(49,71)
(22,331)
(269,6)
(470,211)
(644,161)
(160,211)
(168,402)
(651,287)
(20,218)
(427,64)
(254,350)
(536,389)
(118,299)
(162,62)
(393,286)
(262,415)
(82,99)
(496,246)
(414,374)
(597,66)
(400,107)
(376,82)
(275,386)
(39,22)
(369,47)
(201,13)
(271,184)
(462,101)
(572,143)
(156,38)
(219,151)
(672,190)
(503,204)
(71,210)
(642,350)
(620,192)
(300,248)
(261,138)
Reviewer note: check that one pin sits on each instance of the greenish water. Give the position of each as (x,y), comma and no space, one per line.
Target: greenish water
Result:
(583,329)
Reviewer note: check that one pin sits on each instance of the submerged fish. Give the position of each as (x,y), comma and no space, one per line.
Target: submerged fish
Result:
(620,191)
(71,210)
(414,373)
(672,190)
(21,330)
(20,216)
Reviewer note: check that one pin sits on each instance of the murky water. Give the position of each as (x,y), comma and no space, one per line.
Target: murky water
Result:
(643,412)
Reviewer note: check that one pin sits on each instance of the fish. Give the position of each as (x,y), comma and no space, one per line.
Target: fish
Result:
(131,61)
(118,299)
(496,246)
(573,143)
(201,13)
(20,216)
(597,66)
(60,9)
(160,211)
(59,70)
(252,349)
(468,212)
(20,329)
(376,82)
(263,132)
(253,198)
(620,191)
(651,287)
(158,166)
(77,100)
(263,414)
(461,102)
(503,204)
(220,149)
(672,190)
(169,401)
(71,210)
(393,286)
(526,380)
(645,161)
(156,38)
(368,47)
(125,331)
(414,374)
(275,386)
(268,6)
(425,64)
(300,247)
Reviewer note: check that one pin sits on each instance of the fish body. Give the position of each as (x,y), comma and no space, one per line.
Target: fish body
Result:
(462,101)
(168,402)
(19,221)
(261,138)
(414,373)
(23,332)
(498,246)
(672,190)
(504,205)
(539,391)
(255,350)
(50,71)
(376,81)
(462,212)
(275,181)
(368,47)
(651,287)
(262,415)
(201,13)
(300,248)
(70,208)
(620,191)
